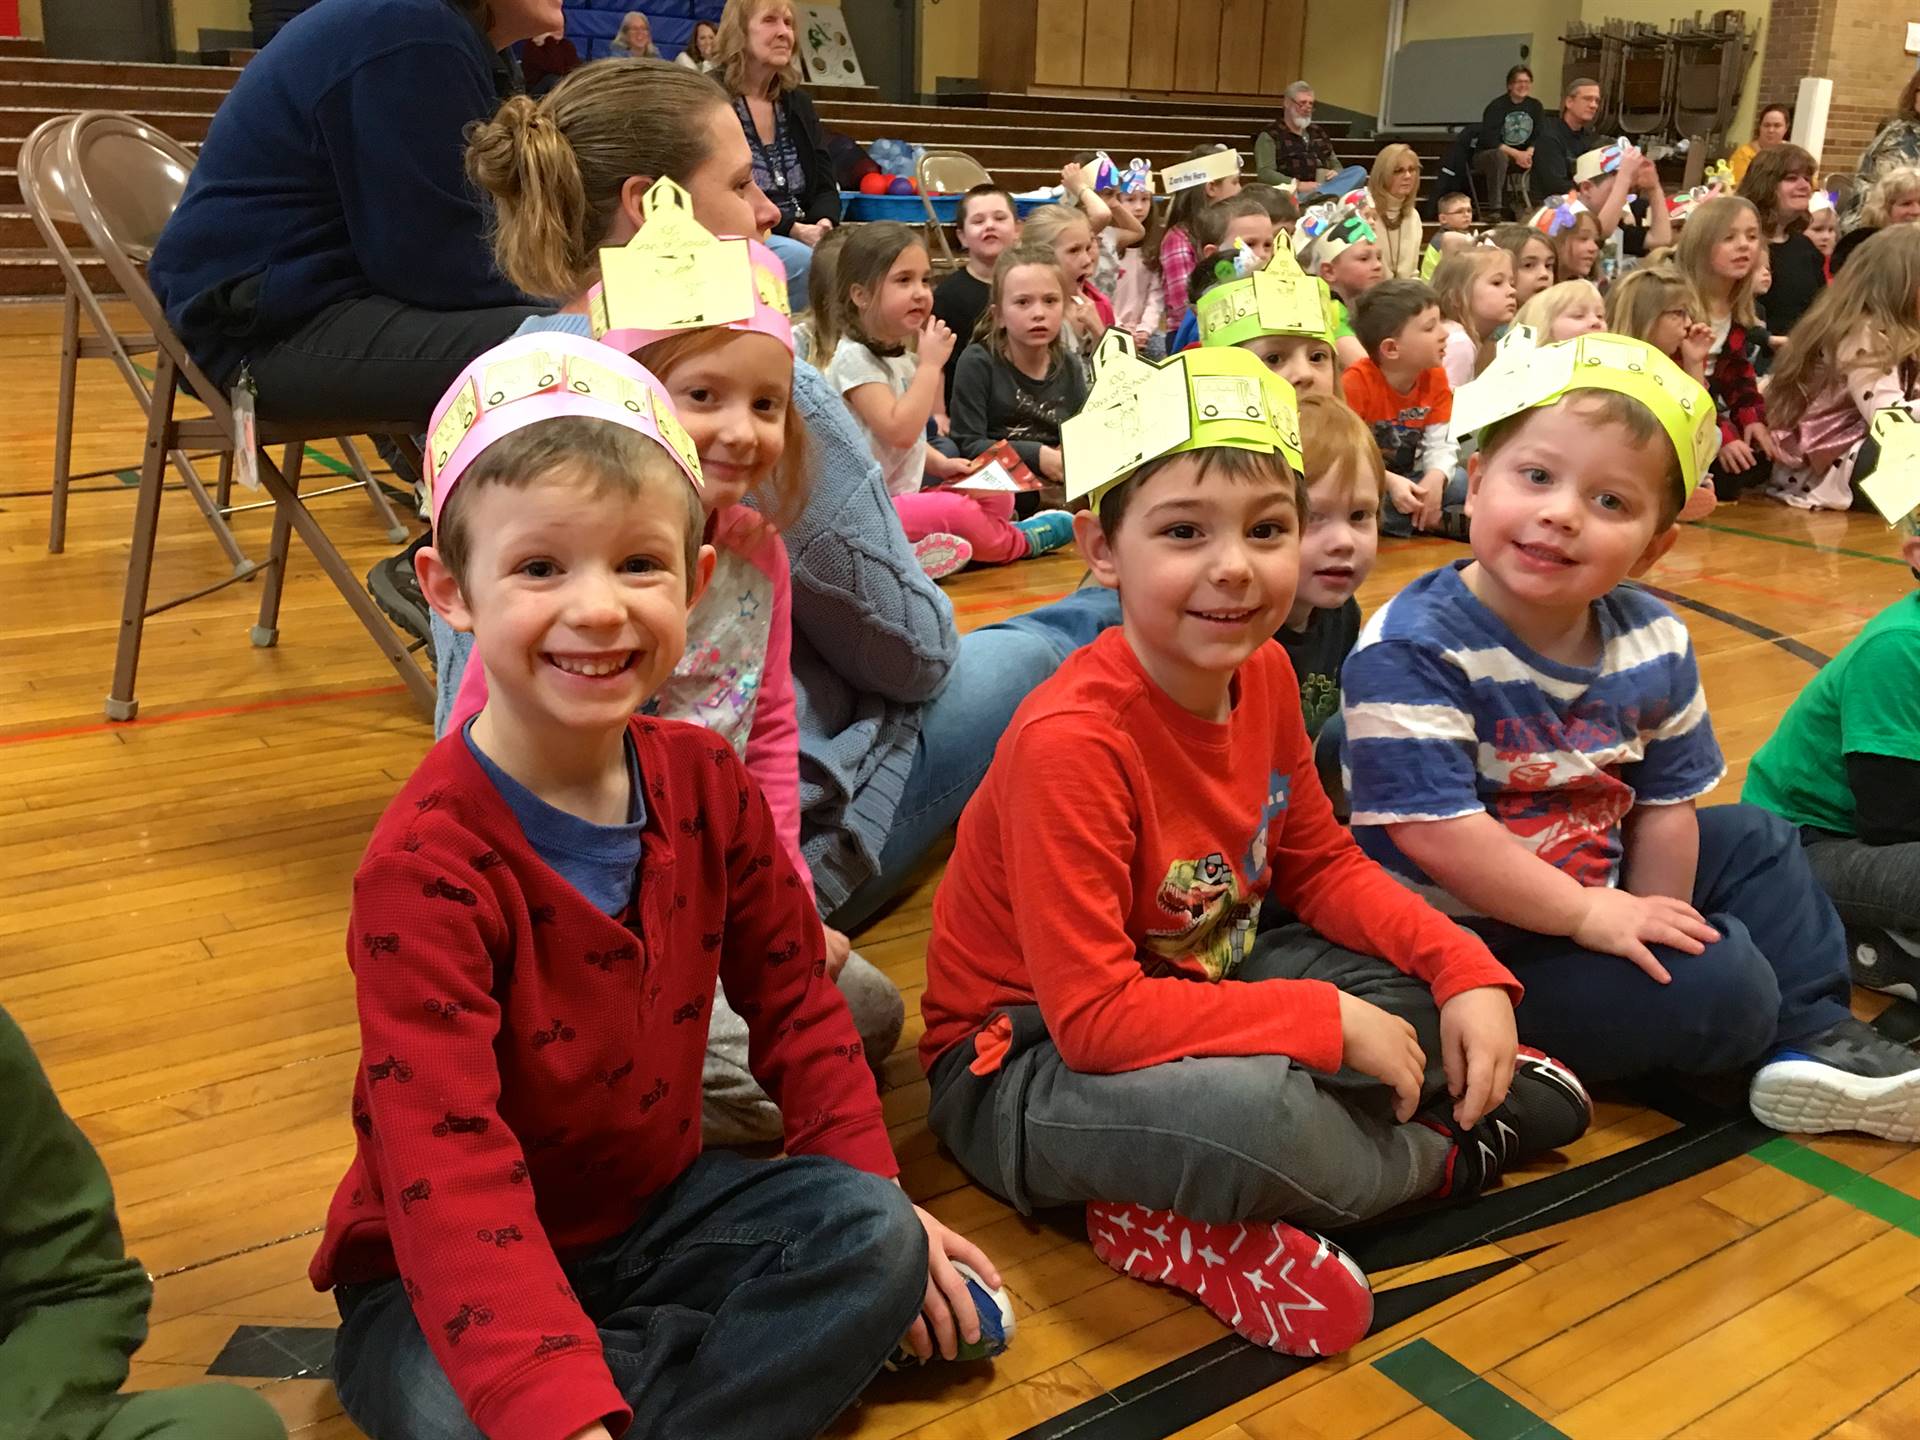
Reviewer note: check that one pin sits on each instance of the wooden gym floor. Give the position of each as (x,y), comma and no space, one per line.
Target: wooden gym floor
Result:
(177,890)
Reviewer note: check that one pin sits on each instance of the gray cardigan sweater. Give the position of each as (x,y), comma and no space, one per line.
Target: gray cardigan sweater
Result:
(873,640)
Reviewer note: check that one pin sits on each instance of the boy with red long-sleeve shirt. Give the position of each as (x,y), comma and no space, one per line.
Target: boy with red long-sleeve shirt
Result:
(529,1243)
(1102,1023)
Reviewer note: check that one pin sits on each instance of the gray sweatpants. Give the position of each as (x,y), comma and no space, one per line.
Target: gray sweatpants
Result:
(735,1110)
(1218,1139)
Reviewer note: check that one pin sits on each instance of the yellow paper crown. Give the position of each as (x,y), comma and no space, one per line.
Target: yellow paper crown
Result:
(674,274)
(1894,486)
(1196,400)
(1525,375)
(1279,300)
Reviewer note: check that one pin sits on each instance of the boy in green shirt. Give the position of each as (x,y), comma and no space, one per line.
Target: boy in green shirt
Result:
(1844,764)
(73,1306)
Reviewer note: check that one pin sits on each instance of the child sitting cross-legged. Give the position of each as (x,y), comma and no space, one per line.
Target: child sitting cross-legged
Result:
(1844,764)
(1103,1027)
(1401,391)
(1018,383)
(529,1240)
(1527,742)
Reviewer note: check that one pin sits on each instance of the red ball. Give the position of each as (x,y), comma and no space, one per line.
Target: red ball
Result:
(874,184)
(900,186)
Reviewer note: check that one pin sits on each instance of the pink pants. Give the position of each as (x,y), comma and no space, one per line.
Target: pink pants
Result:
(985,523)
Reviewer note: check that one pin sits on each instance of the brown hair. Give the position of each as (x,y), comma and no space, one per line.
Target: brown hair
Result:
(730,47)
(823,276)
(1248,466)
(1637,300)
(1181,209)
(989,331)
(1583,219)
(610,456)
(1597,408)
(1871,300)
(1209,225)
(784,495)
(1710,223)
(555,168)
(1384,311)
(865,259)
(980,192)
(1453,282)
(1762,186)
(1281,206)
(1514,238)
(1332,437)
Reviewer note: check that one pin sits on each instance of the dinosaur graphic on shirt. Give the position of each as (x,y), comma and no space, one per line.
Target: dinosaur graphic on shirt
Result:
(1214,923)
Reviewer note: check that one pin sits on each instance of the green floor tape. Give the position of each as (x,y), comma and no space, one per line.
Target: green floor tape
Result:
(1459,1396)
(1843,1182)
(1801,544)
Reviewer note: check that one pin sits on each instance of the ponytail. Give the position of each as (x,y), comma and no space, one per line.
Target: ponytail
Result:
(555,168)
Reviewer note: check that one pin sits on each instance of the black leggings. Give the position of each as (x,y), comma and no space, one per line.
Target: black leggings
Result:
(376,359)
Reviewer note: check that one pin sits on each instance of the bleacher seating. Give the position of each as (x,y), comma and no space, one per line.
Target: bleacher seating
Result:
(1021,139)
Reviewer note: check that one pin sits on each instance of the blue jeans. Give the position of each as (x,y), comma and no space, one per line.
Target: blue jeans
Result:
(753,1298)
(798,258)
(1777,975)
(1351,178)
(998,667)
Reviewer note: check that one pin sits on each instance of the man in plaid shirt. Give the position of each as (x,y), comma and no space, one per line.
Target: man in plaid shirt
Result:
(1296,153)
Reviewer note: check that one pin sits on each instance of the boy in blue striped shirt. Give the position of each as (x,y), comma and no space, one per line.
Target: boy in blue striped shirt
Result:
(1528,739)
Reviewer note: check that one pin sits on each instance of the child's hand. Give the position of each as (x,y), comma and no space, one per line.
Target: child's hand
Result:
(942,423)
(1617,923)
(1736,456)
(1760,436)
(1404,494)
(1477,1041)
(1695,347)
(947,1295)
(1073,179)
(595,1431)
(839,947)
(1140,338)
(936,342)
(1053,465)
(1383,1046)
(945,467)
(1432,490)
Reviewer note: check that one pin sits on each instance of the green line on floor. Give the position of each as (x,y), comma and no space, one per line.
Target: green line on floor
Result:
(127,477)
(1843,1182)
(1459,1396)
(1800,544)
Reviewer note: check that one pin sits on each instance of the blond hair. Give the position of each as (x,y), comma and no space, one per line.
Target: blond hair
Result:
(1045,225)
(1453,282)
(1639,298)
(1871,300)
(555,168)
(729,58)
(1332,436)
(1384,164)
(1898,184)
(1551,303)
(1583,219)
(1711,223)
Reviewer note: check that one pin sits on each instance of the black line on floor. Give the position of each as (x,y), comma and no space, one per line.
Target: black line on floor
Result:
(1799,649)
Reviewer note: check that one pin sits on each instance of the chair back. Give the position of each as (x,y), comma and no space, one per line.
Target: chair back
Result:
(949,172)
(41,185)
(124,180)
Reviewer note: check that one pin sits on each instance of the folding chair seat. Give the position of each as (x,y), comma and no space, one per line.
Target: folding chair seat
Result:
(121,182)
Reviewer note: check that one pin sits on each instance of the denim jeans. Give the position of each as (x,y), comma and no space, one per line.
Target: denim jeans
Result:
(1870,885)
(753,1299)
(1218,1139)
(1777,975)
(998,667)
(797,256)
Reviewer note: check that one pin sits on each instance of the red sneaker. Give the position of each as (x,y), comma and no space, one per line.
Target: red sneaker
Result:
(1278,1286)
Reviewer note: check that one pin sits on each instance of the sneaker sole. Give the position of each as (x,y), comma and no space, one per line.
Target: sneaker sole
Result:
(1280,1287)
(398,607)
(942,555)
(1805,1097)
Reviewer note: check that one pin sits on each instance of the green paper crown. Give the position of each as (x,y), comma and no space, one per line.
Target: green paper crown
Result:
(1279,300)
(1526,375)
(1196,400)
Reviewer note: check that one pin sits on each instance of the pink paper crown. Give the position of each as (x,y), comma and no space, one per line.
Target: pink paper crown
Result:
(770,314)
(544,376)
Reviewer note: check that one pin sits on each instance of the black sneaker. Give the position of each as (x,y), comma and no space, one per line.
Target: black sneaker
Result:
(1884,960)
(396,590)
(1850,1077)
(1546,1108)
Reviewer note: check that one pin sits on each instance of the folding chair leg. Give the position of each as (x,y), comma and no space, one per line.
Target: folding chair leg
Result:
(266,629)
(288,504)
(210,511)
(121,704)
(396,532)
(223,487)
(63,421)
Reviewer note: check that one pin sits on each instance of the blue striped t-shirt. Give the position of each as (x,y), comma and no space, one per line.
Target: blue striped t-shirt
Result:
(1449,714)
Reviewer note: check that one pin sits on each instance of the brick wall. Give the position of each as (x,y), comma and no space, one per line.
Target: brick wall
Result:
(1859,45)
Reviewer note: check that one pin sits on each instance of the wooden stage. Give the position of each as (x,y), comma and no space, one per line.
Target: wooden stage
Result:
(177,891)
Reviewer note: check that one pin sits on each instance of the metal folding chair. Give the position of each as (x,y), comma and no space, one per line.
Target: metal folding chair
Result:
(946,172)
(121,188)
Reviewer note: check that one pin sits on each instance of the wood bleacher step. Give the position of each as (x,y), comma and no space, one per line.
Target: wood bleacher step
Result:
(117,72)
(19,121)
(35,274)
(65,96)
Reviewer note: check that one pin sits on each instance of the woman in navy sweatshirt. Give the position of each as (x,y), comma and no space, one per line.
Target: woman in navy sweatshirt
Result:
(328,244)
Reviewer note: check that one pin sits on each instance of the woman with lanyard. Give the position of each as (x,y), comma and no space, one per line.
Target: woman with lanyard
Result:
(754,58)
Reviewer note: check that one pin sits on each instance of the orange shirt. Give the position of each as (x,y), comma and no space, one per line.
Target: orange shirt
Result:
(1111,867)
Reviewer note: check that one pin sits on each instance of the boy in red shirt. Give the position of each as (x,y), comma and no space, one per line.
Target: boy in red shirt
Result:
(529,1243)
(1102,1024)
(1402,393)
